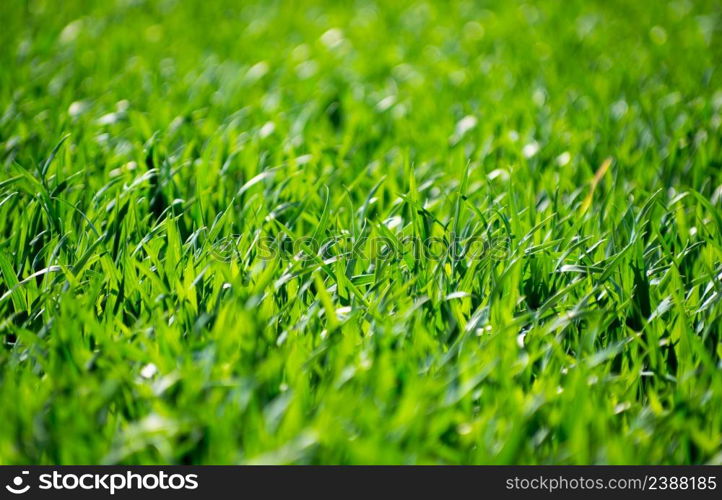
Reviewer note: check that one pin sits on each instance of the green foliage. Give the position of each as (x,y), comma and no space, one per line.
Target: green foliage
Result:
(360,232)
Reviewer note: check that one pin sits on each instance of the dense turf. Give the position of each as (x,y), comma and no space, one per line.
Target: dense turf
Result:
(402,232)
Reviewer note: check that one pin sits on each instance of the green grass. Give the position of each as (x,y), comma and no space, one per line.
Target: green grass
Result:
(392,232)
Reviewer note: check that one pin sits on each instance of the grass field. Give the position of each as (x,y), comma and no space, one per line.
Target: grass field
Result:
(360,232)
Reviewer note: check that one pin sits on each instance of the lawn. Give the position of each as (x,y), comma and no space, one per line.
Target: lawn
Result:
(361,232)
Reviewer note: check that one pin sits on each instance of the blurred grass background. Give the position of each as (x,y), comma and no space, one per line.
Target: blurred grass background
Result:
(585,135)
